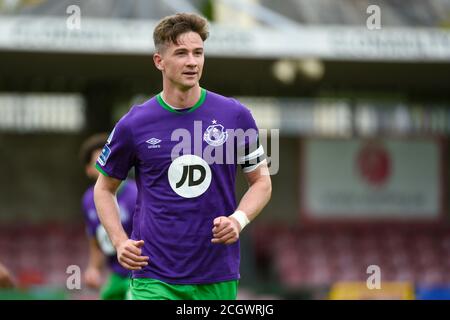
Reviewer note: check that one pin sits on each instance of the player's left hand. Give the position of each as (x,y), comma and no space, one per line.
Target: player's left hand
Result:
(226,230)
(93,277)
(6,279)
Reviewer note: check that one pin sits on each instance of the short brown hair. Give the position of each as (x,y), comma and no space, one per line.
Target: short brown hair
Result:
(94,142)
(170,27)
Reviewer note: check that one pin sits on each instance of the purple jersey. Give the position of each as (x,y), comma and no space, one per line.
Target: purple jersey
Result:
(181,190)
(126,197)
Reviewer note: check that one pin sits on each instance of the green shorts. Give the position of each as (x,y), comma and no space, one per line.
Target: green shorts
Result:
(152,289)
(116,288)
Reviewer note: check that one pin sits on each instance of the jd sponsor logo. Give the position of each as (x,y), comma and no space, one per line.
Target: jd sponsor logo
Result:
(189,176)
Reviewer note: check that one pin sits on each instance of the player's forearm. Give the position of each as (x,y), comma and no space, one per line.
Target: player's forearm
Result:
(96,257)
(256,197)
(95,262)
(108,212)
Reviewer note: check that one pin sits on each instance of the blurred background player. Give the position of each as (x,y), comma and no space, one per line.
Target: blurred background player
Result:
(6,279)
(100,247)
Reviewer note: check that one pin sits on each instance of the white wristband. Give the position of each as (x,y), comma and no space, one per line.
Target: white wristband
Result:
(241,217)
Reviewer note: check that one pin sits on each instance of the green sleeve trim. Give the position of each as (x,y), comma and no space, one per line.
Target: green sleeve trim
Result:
(101,170)
(200,102)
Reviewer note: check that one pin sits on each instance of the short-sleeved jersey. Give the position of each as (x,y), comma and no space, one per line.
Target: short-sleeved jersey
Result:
(185,167)
(126,198)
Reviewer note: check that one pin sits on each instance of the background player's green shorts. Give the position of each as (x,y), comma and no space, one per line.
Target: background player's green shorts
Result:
(116,288)
(151,289)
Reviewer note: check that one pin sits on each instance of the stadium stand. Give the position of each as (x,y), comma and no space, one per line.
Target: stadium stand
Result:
(324,255)
(40,254)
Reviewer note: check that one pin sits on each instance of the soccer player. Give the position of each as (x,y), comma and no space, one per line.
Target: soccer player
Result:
(100,247)
(6,279)
(185,241)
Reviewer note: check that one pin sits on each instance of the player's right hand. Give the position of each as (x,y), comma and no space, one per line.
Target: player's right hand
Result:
(129,254)
(93,277)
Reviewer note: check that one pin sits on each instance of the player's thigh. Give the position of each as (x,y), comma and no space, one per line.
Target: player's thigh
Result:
(116,288)
(226,290)
(152,289)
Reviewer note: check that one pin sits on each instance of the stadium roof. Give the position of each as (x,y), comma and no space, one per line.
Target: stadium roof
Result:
(431,13)
(130,9)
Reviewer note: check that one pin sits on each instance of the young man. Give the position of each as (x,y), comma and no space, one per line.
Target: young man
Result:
(185,237)
(100,247)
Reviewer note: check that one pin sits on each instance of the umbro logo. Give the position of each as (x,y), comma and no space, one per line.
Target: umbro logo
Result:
(153,143)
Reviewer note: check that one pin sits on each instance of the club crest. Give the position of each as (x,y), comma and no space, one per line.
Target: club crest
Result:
(215,135)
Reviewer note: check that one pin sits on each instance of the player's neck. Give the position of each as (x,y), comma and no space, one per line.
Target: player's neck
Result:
(181,99)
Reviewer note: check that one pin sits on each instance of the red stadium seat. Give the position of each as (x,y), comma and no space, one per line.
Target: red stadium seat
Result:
(303,257)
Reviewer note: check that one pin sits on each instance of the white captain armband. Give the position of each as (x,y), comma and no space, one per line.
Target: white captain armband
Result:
(254,155)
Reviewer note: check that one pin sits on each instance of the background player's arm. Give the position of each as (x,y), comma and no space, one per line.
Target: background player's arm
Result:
(226,229)
(92,276)
(128,251)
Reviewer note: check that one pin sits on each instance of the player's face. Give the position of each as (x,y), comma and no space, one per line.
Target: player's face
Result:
(91,171)
(182,63)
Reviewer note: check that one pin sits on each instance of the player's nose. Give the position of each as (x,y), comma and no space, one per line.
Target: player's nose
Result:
(191,62)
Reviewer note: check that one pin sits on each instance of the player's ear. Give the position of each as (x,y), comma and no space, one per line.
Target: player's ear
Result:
(157,59)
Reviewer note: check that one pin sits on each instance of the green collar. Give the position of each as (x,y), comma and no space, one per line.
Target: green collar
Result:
(171,109)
